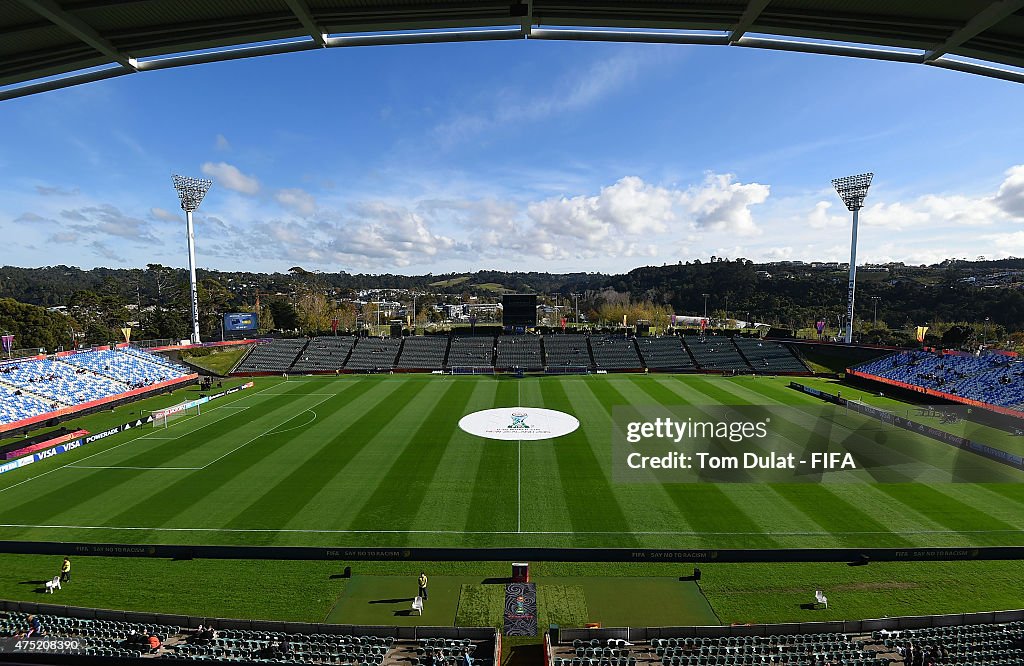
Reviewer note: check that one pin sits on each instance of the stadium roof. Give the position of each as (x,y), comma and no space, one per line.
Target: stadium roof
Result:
(49,44)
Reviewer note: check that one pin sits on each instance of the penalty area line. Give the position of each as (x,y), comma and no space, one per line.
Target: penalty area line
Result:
(73,466)
(129,441)
(269,431)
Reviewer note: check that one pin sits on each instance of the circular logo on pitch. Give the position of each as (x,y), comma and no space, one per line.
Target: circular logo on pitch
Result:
(519,423)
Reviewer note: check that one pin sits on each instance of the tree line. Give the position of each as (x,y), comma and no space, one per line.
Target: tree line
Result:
(154,300)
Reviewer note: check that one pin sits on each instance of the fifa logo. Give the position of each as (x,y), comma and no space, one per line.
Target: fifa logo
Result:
(518,422)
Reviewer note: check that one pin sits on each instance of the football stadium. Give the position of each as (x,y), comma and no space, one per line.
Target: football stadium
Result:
(718,463)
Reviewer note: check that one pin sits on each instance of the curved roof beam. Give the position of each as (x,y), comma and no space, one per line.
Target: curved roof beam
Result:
(52,44)
(71,24)
(982,21)
(301,11)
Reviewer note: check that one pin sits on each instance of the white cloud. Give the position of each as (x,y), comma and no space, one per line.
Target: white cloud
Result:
(229,176)
(579,89)
(427,225)
(625,217)
(47,190)
(164,215)
(102,250)
(1010,197)
(105,220)
(299,200)
(65,237)
(1011,242)
(723,205)
(821,217)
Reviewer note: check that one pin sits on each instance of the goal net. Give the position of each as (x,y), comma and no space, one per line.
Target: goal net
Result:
(162,418)
(567,370)
(472,370)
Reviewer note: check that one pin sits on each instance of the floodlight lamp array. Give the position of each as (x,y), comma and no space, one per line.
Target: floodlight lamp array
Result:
(853,189)
(191,191)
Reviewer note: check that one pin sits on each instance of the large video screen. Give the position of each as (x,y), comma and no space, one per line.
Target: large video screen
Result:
(241,321)
(519,310)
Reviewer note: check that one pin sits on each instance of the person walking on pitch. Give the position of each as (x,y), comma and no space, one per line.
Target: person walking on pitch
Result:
(423,585)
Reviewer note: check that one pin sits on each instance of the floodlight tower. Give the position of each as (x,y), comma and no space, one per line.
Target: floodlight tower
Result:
(852,190)
(191,192)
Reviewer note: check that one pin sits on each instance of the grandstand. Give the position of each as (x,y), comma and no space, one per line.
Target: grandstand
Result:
(716,353)
(769,356)
(324,354)
(60,382)
(423,352)
(273,356)
(233,641)
(373,354)
(129,368)
(971,644)
(33,387)
(615,352)
(566,351)
(666,354)
(16,405)
(471,351)
(994,379)
(519,351)
(792,648)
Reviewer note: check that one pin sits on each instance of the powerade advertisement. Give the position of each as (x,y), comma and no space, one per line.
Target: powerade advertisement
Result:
(241,321)
(82,441)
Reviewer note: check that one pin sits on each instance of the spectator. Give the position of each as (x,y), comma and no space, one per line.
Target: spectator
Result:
(467,658)
(35,628)
(154,644)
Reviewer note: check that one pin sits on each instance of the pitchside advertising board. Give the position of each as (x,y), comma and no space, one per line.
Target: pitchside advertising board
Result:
(95,437)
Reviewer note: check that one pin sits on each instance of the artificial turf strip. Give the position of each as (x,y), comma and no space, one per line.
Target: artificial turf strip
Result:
(387,601)
(481,605)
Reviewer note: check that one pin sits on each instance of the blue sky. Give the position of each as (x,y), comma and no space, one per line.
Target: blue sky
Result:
(514,155)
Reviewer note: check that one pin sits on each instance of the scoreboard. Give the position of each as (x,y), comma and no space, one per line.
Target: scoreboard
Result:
(241,321)
(519,310)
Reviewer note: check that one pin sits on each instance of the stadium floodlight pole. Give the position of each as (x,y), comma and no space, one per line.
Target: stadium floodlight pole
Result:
(852,190)
(191,192)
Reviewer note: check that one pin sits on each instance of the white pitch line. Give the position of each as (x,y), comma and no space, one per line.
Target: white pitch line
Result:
(278,432)
(73,466)
(519,467)
(498,532)
(51,471)
(264,433)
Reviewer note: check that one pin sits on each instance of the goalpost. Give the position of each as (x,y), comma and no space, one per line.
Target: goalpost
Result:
(472,370)
(163,418)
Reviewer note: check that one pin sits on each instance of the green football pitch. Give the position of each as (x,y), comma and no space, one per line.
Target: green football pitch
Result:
(381,461)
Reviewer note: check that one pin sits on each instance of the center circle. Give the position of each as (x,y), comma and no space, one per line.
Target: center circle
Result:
(519,423)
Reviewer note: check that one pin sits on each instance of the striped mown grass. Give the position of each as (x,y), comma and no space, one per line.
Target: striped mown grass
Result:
(380,461)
